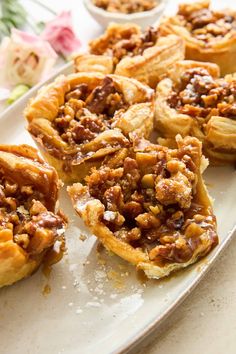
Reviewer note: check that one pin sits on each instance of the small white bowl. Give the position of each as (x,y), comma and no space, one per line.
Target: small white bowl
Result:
(143,19)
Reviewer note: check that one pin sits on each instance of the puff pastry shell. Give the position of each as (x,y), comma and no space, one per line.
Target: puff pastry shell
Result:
(210,117)
(209,35)
(77,132)
(29,226)
(149,205)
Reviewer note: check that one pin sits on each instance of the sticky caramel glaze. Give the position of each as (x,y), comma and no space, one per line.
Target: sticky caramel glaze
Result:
(54,256)
(196,209)
(199,95)
(47,290)
(207,25)
(128,42)
(23,212)
(29,224)
(46,176)
(155,202)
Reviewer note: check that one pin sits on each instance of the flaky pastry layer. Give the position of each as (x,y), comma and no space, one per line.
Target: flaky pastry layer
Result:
(195,101)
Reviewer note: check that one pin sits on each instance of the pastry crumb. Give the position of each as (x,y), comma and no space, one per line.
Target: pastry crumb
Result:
(83,237)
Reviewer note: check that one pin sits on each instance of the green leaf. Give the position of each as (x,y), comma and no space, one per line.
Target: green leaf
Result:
(12,15)
(17,92)
(16,13)
(40,25)
(8,23)
(4,30)
(17,20)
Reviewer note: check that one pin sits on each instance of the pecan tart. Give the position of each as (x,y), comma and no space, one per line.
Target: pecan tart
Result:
(149,205)
(29,225)
(80,118)
(126,51)
(195,101)
(209,35)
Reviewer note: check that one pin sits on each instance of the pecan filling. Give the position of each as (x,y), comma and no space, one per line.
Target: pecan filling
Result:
(85,114)
(24,217)
(151,203)
(126,43)
(199,95)
(207,25)
(124,6)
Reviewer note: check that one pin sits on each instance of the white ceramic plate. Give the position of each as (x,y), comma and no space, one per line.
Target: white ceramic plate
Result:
(96,304)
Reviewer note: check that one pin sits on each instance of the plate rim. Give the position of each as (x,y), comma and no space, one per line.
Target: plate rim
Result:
(152,326)
(35,88)
(149,328)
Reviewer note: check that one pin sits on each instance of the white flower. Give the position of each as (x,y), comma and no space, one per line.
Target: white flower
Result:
(25,59)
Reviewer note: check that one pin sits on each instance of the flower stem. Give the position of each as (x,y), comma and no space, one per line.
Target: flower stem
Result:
(38,2)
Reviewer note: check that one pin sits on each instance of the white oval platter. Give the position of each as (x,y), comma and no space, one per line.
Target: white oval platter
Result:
(96,303)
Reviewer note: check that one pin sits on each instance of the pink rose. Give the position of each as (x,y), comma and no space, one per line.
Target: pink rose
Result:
(25,59)
(59,33)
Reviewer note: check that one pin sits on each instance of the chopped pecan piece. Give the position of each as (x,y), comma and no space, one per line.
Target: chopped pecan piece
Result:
(132,209)
(81,134)
(148,221)
(176,189)
(114,199)
(178,252)
(96,102)
(79,92)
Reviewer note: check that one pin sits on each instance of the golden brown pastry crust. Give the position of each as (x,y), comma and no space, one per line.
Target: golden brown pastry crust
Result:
(29,226)
(153,64)
(94,63)
(218,133)
(220,141)
(43,110)
(220,49)
(154,257)
(148,66)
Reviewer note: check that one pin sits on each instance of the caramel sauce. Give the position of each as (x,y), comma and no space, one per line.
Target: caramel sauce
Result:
(209,185)
(202,264)
(47,290)
(53,256)
(141,276)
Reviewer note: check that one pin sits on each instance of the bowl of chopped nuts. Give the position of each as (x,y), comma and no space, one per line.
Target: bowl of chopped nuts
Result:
(141,12)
